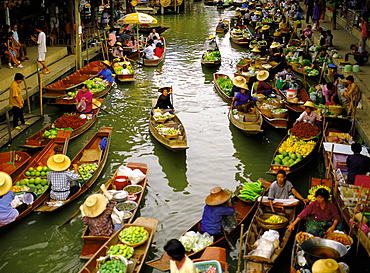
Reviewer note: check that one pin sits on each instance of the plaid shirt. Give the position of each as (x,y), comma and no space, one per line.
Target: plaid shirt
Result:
(101,225)
(60,184)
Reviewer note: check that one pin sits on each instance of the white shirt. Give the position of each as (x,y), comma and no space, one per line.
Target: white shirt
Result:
(151,34)
(41,41)
(149,52)
(15,36)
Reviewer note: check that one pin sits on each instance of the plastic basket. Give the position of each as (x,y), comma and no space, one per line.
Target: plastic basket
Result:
(204,266)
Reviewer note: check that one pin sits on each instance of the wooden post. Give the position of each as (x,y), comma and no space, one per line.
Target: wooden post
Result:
(78,37)
(240,247)
(8,125)
(27,97)
(71,18)
(40,86)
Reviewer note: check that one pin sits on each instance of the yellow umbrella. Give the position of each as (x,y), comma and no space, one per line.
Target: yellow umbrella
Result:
(137,18)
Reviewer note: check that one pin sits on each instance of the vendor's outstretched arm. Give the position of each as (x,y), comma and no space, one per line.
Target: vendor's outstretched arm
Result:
(292,225)
(332,228)
(272,205)
(299,196)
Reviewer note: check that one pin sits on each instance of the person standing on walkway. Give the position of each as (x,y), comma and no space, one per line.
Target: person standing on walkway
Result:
(322,5)
(357,163)
(41,41)
(309,9)
(16,100)
(316,16)
(364,33)
(352,94)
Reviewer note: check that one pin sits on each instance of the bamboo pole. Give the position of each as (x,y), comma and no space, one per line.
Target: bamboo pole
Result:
(240,247)
(78,36)
(28,99)
(106,44)
(40,88)
(8,125)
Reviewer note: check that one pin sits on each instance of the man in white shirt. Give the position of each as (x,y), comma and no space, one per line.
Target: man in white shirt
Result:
(149,51)
(41,41)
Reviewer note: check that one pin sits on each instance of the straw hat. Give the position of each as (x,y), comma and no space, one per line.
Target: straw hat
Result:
(274,45)
(106,62)
(211,37)
(94,205)
(262,75)
(265,27)
(58,162)
(5,183)
(239,81)
(309,104)
(326,266)
(220,20)
(119,43)
(258,12)
(255,49)
(290,54)
(217,196)
(160,89)
(277,33)
(95,103)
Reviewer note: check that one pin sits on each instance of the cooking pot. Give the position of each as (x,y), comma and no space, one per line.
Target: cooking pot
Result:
(324,248)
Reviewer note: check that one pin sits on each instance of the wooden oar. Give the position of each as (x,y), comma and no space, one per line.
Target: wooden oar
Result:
(240,247)
(101,108)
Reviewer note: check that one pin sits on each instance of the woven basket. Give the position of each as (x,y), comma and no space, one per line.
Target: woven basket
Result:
(171,136)
(339,237)
(336,110)
(278,105)
(266,112)
(137,244)
(266,225)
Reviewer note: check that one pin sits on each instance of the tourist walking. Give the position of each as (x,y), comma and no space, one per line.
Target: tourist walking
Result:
(41,42)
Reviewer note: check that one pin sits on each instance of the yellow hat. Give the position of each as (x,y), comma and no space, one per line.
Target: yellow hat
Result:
(5,183)
(160,89)
(106,62)
(326,266)
(255,49)
(239,81)
(262,75)
(265,27)
(94,205)
(277,33)
(274,45)
(95,103)
(58,162)
(220,20)
(309,104)
(217,196)
(211,37)
(119,43)
(290,54)
(258,12)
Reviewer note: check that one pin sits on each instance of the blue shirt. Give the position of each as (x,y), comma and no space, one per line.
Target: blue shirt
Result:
(212,218)
(241,98)
(107,74)
(7,213)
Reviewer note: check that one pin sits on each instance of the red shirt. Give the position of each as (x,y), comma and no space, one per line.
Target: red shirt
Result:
(158,52)
(313,211)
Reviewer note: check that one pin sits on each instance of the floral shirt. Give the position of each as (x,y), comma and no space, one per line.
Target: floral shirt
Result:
(101,225)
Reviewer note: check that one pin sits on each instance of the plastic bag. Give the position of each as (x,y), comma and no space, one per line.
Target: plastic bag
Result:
(204,240)
(136,176)
(188,239)
(261,253)
(124,171)
(229,222)
(195,241)
(272,236)
(81,106)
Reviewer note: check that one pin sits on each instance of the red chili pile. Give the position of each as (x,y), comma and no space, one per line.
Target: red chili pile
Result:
(304,130)
(71,121)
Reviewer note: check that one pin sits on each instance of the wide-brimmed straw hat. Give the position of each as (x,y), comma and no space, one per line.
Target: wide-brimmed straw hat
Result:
(255,49)
(274,45)
(5,183)
(58,162)
(94,205)
(217,196)
(309,104)
(262,75)
(106,62)
(265,27)
(258,12)
(220,20)
(95,103)
(290,54)
(239,81)
(326,266)
(277,33)
(119,43)
(160,89)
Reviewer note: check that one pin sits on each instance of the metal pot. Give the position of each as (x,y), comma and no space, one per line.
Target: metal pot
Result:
(324,248)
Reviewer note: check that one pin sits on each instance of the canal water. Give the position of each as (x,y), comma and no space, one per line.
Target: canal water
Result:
(218,154)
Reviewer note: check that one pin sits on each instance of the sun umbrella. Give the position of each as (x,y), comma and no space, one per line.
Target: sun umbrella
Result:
(137,18)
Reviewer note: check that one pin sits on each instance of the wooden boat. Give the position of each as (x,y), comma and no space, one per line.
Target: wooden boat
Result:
(140,254)
(219,89)
(14,162)
(240,37)
(302,96)
(245,211)
(209,63)
(89,154)
(70,83)
(92,243)
(254,263)
(209,2)
(40,160)
(277,122)
(248,123)
(213,253)
(223,30)
(127,77)
(156,62)
(148,29)
(37,140)
(305,160)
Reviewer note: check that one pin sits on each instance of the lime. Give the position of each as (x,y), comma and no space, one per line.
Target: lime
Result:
(31,181)
(44,182)
(28,173)
(44,169)
(39,168)
(31,185)
(26,179)
(38,180)
(31,169)
(37,173)
(22,182)
(33,173)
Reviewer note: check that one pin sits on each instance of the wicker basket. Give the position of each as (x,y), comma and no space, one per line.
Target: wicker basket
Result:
(266,225)
(336,110)
(266,112)
(339,237)
(137,244)
(171,136)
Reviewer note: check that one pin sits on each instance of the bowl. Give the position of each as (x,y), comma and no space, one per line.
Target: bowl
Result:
(136,189)
(131,197)
(120,196)
(127,206)
(127,215)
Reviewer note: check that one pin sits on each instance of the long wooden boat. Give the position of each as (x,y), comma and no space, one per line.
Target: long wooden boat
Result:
(40,160)
(305,160)
(92,243)
(254,263)
(209,2)
(219,89)
(213,253)
(208,63)
(117,66)
(156,62)
(240,37)
(140,254)
(148,29)
(90,154)
(302,96)
(37,140)
(279,123)
(223,30)
(14,162)
(70,83)
(245,210)
(248,123)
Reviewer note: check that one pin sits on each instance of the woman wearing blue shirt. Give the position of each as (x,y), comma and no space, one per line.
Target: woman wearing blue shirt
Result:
(243,101)
(106,73)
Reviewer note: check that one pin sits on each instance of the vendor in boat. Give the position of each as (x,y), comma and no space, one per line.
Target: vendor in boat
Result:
(352,94)
(221,24)
(357,163)
(164,100)
(125,70)
(217,206)
(245,4)
(60,179)
(238,82)
(106,73)
(282,24)
(254,54)
(275,57)
(84,99)
(179,262)
(118,51)
(243,100)
(309,114)
(320,57)
(258,36)
(262,87)
(153,33)
(7,213)
(278,38)
(96,213)
(321,215)
(286,74)
(283,189)
(329,93)
(265,31)
(212,45)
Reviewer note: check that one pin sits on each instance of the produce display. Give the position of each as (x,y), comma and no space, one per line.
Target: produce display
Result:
(304,130)
(293,150)
(118,66)
(195,241)
(225,84)
(267,20)
(311,192)
(256,43)
(279,111)
(161,126)
(250,191)
(86,170)
(275,219)
(212,56)
(72,95)
(171,132)
(95,85)
(53,132)
(133,235)
(136,189)
(36,177)
(72,121)
(303,236)
(113,266)
(121,249)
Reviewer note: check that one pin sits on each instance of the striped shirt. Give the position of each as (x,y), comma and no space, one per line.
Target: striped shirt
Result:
(60,184)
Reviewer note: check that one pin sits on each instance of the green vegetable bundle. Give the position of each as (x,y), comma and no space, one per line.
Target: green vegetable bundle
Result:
(250,191)
(225,84)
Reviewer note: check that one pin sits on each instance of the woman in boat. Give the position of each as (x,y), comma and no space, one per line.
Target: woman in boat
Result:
(357,163)
(60,178)
(217,206)
(254,54)
(84,99)
(278,38)
(321,215)
(7,213)
(258,36)
(329,93)
(164,100)
(282,24)
(106,73)
(352,94)
(238,82)
(158,51)
(243,101)
(286,74)
(221,24)
(118,51)
(96,213)
(309,114)
(179,262)
(262,87)
(132,43)
(283,189)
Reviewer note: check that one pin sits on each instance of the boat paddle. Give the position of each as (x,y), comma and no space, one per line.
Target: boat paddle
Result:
(240,248)
(101,109)
(228,240)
